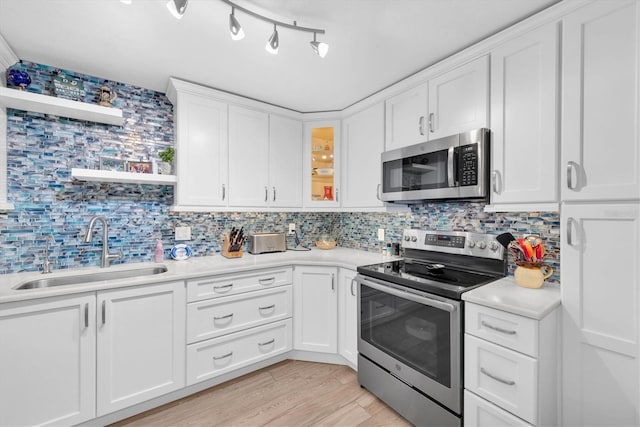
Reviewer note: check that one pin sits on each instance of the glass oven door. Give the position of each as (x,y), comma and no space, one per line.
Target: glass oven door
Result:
(413,335)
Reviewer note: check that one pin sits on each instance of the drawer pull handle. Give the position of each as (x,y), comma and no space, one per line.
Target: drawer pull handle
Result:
(224,356)
(269,307)
(497,329)
(271,341)
(221,287)
(223,317)
(267,281)
(500,380)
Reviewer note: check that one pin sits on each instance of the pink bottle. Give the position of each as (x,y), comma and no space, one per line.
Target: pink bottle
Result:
(159,254)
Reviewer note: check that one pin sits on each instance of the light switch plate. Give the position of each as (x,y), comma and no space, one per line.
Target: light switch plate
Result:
(381,234)
(183,233)
(292,227)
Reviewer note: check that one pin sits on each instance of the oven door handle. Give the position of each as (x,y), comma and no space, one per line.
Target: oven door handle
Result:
(412,297)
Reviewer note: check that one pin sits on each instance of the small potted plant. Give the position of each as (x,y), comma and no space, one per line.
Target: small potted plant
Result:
(165,166)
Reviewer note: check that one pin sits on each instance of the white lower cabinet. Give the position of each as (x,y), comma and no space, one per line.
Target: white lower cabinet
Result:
(315,308)
(481,413)
(348,316)
(208,359)
(510,368)
(236,320)
(140,344)
(48,361)
(66,360)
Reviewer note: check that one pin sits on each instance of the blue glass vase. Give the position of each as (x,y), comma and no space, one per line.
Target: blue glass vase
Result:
(18,78)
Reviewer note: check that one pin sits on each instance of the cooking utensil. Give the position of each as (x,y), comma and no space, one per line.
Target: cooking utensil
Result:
(505,238)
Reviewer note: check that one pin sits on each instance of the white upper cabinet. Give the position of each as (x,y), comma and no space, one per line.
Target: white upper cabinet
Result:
(524,118)
(362,144)
(459,99)
(201,147)
(600,150)
(453,102)
(285,161)
(265,154)
(321,167)
(248,157)
(405,118)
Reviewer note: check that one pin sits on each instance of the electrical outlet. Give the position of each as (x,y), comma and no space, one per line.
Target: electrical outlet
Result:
(292,228)
(183,233)
(381,234)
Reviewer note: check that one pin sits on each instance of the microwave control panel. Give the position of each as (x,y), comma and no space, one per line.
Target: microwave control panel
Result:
(468,158)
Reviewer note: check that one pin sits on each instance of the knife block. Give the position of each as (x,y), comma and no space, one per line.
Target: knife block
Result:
(225,249)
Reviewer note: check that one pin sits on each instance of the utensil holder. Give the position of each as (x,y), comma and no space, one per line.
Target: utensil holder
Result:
(532,276)
(225,249)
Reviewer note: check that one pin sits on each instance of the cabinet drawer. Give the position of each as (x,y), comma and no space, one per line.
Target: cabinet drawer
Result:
(502,376)
(214,357)
(231,284)
(220,316)
(510,330)
(480,413)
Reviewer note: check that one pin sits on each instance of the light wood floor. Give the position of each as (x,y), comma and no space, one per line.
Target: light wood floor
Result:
(290,393)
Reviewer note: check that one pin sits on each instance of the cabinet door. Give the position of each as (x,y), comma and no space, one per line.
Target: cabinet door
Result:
(322,164)
(348,316)
(201,151)
(141,344)
(405,118)
(315,309)
(600,150)
(459,99)
(248,157)
(524,118)
(285,162)
(600,277)
(363,142)
(48,361)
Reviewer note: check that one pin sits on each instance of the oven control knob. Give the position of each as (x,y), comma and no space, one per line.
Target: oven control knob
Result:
(493,245)
(471,243)
(481,244)
(414,239)
(407,238)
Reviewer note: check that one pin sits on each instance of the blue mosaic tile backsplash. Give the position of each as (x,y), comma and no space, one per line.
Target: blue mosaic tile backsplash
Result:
(42,150)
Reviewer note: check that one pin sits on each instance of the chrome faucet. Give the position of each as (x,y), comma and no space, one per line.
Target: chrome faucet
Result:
(105,261)
(46,264)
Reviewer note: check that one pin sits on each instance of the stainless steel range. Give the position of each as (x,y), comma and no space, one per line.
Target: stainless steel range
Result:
(411,321)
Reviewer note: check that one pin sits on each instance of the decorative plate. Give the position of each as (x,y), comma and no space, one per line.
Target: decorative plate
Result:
(180,252)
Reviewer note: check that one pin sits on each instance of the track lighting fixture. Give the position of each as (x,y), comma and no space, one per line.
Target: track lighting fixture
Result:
(237,33)
(274,42)
(177,7)
(319,47)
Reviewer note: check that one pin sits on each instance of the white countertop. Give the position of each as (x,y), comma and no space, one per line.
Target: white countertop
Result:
(188,269)
(506,295)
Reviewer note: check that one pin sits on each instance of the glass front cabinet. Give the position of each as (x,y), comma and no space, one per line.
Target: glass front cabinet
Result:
(322,164)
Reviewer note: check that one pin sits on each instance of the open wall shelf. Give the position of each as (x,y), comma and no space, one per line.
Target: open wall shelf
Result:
(122,177)
(27,101)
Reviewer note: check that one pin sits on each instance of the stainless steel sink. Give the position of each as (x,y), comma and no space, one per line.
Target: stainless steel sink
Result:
(47,282)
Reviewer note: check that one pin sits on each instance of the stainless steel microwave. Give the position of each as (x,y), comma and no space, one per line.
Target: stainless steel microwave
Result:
(453,167)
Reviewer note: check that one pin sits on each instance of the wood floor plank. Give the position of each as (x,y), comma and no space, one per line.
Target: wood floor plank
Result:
(289,393)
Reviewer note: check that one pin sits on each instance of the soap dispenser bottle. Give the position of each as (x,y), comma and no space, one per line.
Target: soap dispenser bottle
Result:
(159,254)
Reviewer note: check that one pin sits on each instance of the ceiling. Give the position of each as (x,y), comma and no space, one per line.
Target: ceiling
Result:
(373,43)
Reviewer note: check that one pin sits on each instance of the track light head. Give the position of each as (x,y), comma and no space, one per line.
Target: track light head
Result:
(177,7)
(319,48)
(274,43)
(237,33)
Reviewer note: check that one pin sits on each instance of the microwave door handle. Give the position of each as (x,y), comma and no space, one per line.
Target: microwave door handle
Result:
(450,163)
(412,297)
